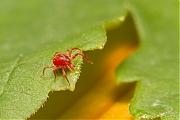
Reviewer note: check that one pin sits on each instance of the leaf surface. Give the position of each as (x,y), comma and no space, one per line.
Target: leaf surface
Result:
(155,64)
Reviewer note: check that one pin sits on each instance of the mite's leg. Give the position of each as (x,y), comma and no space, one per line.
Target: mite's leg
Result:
(64,74)
(69,52)
(54,71)
(70,68)
(79,54)
(46,68)
(56,53)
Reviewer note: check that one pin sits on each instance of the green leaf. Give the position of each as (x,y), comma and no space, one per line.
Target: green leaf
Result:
(155,64)
(22,83)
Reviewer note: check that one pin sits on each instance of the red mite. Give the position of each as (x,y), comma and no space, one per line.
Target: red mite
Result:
(64,61)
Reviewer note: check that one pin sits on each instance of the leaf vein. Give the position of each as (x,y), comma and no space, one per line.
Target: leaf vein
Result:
(13,66)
